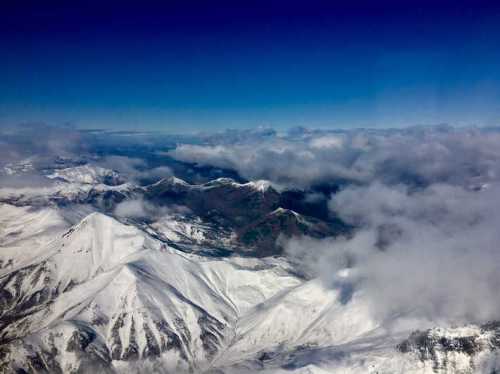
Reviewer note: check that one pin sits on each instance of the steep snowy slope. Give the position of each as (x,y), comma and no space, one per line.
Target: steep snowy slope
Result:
(469,349)
(24,231)
(131,296)
(190,229)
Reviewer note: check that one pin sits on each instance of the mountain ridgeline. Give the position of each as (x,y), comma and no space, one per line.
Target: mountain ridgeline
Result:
(256,212)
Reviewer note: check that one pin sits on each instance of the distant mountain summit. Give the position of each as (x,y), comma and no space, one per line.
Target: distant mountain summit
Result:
(88,174)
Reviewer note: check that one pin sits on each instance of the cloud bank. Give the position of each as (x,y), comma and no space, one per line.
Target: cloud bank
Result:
(134,169)
(431,254)
(28,151)
(417,156)
(40,141)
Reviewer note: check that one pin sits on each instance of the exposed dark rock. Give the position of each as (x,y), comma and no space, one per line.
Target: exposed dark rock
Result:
(211,334)
(264,232)
(116,342)
(220,199)
(250,211)
(169,339)
(131,352)
(80,340)
(152,348)
(433,345)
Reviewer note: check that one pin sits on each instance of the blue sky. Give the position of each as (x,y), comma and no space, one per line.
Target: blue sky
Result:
(189,66)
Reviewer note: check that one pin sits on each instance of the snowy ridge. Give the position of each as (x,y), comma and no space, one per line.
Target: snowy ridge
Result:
(282,211)
(86,174)
(259,186)
(24,232)
(60,191)
(173,182)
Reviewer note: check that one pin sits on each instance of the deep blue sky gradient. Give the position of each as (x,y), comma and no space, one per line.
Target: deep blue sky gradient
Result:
(186,66)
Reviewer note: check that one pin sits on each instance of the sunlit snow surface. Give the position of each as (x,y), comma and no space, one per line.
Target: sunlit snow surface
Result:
(84,291)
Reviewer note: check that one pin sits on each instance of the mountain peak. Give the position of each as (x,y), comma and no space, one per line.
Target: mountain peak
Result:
(283,211)
(259,185)
(87,174)
(97,244)
(220,182)
(97,219)
(172,180)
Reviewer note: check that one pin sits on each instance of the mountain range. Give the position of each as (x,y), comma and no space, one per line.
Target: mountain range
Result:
(100,274)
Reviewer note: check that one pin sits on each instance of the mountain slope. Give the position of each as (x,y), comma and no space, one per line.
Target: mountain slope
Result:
(263,233)
(87,174)
(131,296)
(221,199)
(107,297)
(250,211)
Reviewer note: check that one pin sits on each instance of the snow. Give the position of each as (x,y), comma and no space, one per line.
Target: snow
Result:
(57,190)
(84,174)
(172,181)
(176,230)
(259,185)
(189,229)
(24,231)
(175,180)
(282,211)
(132,290)
(110,269)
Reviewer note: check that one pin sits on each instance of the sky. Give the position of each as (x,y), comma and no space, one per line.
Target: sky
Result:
(201,66)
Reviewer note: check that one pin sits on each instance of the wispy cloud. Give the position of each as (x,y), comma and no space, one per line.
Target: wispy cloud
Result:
(38,141)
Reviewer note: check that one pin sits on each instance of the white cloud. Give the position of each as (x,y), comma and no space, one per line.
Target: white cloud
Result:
(134,168)
(139,208)
(327,141)
(431,254)
(419,156)
(131,209)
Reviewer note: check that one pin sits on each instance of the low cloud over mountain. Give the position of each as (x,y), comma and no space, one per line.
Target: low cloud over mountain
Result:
(423,203)
(417,156)
(431,253)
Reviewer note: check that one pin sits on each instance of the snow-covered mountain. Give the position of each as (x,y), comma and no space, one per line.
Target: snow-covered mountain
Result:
(87,174)
(107,296)
(254,213)
(111,288)
(192,281)
(84,184)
